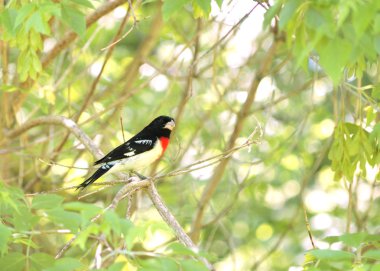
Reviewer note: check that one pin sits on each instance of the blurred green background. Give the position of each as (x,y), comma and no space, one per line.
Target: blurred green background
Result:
(299,78)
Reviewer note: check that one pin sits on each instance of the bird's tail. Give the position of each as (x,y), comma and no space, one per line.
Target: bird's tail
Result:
(97,174)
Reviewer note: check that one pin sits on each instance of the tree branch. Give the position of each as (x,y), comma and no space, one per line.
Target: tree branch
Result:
(173,223)
(242,115)
(58,120)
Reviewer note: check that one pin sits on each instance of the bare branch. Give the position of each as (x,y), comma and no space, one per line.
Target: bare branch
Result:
(173,223)
(58,120)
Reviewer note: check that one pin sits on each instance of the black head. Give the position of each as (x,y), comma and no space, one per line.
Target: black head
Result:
(162,123)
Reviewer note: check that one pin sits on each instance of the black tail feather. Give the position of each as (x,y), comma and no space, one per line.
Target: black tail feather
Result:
(97,174)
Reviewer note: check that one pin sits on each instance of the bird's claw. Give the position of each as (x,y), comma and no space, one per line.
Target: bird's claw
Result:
(142,177)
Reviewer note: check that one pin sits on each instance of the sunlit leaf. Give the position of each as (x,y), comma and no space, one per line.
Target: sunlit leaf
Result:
(75,19)
(49,201)
(66,264)
(172,6)
(5,236)
(372,254)
(14,261)
(332,255)
(40,261)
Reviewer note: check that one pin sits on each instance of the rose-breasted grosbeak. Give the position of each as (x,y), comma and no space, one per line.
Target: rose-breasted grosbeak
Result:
(138,152)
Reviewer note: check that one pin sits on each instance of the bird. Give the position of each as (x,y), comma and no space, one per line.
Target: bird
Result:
(140,151)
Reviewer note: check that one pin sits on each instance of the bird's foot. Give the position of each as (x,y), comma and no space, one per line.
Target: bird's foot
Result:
(142,177)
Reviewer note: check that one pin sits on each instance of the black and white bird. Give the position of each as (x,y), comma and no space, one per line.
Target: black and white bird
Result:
(138,152)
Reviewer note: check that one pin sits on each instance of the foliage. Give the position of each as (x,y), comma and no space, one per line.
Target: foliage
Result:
(337,31)
(28,225)
(305,73)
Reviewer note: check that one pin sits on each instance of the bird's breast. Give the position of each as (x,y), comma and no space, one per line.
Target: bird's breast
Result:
(164,143)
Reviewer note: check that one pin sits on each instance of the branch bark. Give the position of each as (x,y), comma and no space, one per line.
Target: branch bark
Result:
(58,120)
(173,223)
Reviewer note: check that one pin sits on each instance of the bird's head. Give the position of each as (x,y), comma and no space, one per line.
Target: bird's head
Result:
(162,123)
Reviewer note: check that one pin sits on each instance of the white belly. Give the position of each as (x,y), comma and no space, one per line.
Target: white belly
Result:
(139,161)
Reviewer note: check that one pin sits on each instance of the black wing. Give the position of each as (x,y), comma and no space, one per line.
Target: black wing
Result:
(138,144)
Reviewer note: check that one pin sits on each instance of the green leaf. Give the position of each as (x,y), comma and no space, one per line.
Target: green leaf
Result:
(84,234)
(24,220)
(179,249)
(26,241)
(376,42)
(70,220)
(51,8)
(112,220)
(23,13)
(74,19)
(116,266)
(372,254)
(334,56)
(35,42)
(271,13)
(192,265)
(332,255)
(353,239)
(7,19)
(37,23)
(360,22)
(287,12)
(314,19)
(66,264)
(87,210)
(125,226)
(134,234)
(40,261)
(219,2)
(159,264)
(373,267)
(331,239)
(5,236)
(11,198)
(14,261)
(204,6)
(45,202)
(170,7)
(8,88)
(144,2)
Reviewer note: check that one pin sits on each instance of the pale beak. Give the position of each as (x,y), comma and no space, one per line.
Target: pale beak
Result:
(170,125)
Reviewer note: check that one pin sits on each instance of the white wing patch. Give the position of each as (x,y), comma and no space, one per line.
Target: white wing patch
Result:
(144,142)
(128,154)
(108,165)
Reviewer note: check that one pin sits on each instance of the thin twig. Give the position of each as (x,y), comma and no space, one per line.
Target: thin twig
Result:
(122,128)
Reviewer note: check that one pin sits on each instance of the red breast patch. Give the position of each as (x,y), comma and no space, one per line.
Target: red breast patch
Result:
(164,143)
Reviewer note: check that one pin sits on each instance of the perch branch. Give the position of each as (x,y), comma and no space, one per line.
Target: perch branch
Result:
(173,223)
